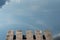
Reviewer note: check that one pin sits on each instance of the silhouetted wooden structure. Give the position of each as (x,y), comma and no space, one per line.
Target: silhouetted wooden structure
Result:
(29,35)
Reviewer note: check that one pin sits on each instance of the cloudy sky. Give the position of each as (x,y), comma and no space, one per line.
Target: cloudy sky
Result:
(29,15)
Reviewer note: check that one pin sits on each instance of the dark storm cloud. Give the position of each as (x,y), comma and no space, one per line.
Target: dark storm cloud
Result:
(57,38)
(2,2)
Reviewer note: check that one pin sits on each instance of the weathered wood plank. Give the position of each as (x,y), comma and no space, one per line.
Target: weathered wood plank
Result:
(48,35)
(38,35)
(18,35)
(10,35)
(29,35)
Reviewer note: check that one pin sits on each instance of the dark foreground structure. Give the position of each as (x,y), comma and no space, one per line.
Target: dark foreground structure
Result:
(38,35)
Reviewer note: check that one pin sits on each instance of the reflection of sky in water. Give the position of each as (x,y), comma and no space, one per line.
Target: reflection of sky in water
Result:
(29,15)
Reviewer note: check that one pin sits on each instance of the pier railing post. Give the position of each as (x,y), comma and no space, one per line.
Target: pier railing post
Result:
(38,35)
(10,35)
(48,35)
(18,35)
(29,35)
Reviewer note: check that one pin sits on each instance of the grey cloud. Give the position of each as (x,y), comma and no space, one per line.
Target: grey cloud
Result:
(57,38)
(2,2)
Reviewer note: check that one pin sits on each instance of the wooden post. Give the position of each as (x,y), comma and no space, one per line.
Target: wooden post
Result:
(38,35)
(10,35)
(48,35)
(29,35)
(18,35)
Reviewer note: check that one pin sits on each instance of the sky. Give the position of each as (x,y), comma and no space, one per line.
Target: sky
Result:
(29,15)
